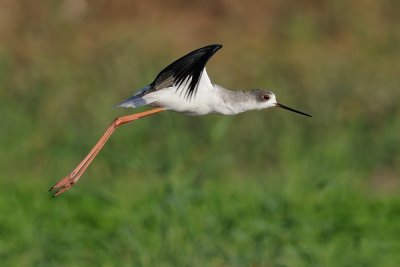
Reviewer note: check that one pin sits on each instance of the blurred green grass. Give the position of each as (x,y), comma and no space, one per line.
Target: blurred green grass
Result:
(266,188)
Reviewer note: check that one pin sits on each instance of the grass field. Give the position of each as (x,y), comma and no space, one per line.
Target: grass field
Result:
(265,188)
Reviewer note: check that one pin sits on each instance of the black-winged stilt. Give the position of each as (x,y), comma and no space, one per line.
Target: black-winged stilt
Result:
(184,87)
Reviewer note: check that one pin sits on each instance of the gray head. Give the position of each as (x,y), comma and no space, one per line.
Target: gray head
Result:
(267,99)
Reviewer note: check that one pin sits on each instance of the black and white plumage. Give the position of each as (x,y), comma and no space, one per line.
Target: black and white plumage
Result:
(184,74)
(184,86)
(187,69)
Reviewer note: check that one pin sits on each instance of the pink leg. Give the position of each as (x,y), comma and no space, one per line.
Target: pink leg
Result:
(66,183)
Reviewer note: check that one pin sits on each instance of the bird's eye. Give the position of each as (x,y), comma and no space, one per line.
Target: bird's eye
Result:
(266,97)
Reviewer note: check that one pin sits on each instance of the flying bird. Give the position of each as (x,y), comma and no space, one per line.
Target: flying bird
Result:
(184,87)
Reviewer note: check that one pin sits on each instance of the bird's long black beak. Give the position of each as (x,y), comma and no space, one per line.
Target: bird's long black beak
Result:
(291,109)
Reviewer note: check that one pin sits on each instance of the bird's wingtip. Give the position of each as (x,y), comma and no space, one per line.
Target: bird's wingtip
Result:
(218,46)
(214,47)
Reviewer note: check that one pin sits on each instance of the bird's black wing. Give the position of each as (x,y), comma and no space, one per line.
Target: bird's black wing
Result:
(188,66)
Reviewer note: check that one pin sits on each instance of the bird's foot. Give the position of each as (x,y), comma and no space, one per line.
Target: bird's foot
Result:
(64,185)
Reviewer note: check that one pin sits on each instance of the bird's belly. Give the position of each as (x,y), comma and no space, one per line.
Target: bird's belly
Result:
(173,101)
(187,108)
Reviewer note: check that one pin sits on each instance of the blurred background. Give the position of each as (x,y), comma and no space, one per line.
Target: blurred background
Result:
(264,188)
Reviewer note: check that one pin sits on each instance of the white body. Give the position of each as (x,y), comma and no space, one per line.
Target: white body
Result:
(210,98)
(173,98)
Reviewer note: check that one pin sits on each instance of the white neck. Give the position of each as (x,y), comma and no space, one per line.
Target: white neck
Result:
(233,102)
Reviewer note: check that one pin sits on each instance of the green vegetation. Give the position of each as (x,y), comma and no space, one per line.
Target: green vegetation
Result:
(267,188)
